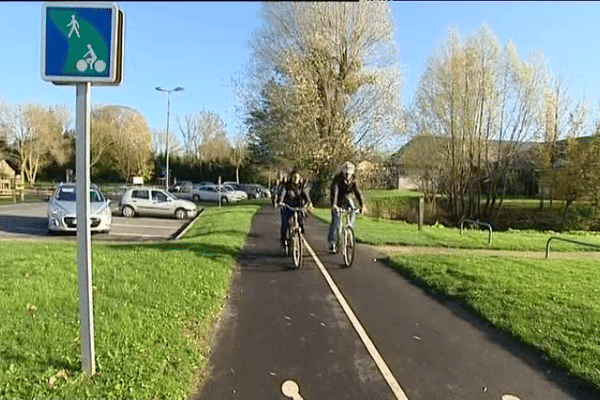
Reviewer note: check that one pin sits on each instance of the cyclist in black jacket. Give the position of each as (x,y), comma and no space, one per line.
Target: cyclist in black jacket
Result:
(342,186)
(294,194)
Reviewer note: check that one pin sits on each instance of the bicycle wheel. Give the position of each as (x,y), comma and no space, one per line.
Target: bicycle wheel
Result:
(288,242)
(296,249)
(348,248)
(81,65)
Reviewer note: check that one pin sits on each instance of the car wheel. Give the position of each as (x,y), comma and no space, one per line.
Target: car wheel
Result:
(180,213)
(196,198)
(224,200)
(128,211)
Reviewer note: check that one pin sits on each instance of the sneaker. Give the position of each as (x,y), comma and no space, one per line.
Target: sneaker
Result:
(332,248)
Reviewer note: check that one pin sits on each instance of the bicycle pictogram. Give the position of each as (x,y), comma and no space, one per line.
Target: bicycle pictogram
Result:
(90,62)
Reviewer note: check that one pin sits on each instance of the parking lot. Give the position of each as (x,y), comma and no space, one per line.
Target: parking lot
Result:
(30,221)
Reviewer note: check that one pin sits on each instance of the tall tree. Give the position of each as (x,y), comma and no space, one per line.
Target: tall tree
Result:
(557,124)
(480,102)
(159,142)
(37,134)
(205,138)
(131,154)
(323,81)
(239,155)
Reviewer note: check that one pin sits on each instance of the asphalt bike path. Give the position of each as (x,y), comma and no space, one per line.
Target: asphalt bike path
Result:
(365,332)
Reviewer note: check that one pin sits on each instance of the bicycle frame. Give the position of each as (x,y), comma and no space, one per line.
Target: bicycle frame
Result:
(345,235)
(294,236)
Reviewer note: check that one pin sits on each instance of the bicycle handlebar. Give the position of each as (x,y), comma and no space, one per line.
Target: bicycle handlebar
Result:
(294,208)
(351,210)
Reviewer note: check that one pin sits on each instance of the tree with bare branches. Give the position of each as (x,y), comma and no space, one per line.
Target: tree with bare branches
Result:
(205,138)
(481,102)
(121,142)
(323,81)
(38,135)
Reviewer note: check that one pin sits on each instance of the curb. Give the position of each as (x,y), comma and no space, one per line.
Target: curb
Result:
(177,235)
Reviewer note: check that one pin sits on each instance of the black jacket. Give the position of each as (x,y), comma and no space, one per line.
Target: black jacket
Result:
(293,195)
(341,189)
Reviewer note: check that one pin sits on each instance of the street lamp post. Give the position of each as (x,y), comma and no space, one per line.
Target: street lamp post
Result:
(177,89)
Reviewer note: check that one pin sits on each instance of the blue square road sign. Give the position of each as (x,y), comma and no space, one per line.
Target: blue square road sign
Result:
(82,42)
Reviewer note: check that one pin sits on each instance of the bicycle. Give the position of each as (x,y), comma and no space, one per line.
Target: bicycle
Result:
(92,61)
(345,240)
(293,236)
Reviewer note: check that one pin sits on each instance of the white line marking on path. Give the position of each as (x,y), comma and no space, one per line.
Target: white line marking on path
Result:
(385,371)
(509,397)
(291,389)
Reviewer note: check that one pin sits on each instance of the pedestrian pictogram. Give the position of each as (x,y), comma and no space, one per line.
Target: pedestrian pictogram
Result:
(82,42)
(74,26)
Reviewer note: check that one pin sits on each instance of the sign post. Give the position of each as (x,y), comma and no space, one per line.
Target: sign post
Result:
(82,45)
(84,244)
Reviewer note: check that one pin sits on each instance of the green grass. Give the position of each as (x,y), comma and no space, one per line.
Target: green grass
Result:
(551,305)
(154,303)
(387,232)
(153,308)
(377,193)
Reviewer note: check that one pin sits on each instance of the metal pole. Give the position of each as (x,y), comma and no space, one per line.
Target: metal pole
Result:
(421,212)
(219,191)
(167,150)
(177,89)
(84,245)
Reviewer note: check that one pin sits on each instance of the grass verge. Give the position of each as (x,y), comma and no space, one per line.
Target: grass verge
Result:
(153,307)
(382,231)
(548,305)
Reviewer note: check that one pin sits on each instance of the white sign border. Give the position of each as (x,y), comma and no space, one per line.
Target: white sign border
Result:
(114,45)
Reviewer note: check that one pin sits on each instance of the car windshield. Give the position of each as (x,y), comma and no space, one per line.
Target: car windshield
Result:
(169,195)
(69,194)
(159,195)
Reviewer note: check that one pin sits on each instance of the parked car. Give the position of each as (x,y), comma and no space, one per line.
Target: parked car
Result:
(155,201)
(203,183)
(257,190)
(180,186)
(62,209)
(213,193)
(240,194)
(250,192)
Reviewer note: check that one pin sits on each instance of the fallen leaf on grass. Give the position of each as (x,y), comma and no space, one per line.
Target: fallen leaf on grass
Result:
(62,374)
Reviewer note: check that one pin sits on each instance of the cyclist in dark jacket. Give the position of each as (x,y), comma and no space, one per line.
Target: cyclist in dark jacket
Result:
(342,186)
(294,194)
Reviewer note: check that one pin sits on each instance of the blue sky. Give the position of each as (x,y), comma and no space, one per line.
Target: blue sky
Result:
(202,45)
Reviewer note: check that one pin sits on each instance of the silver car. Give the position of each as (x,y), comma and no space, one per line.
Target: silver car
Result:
(62,210)
(154,201)
(213,193)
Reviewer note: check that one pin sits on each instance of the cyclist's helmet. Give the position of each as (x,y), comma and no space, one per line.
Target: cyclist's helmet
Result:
(347,169)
